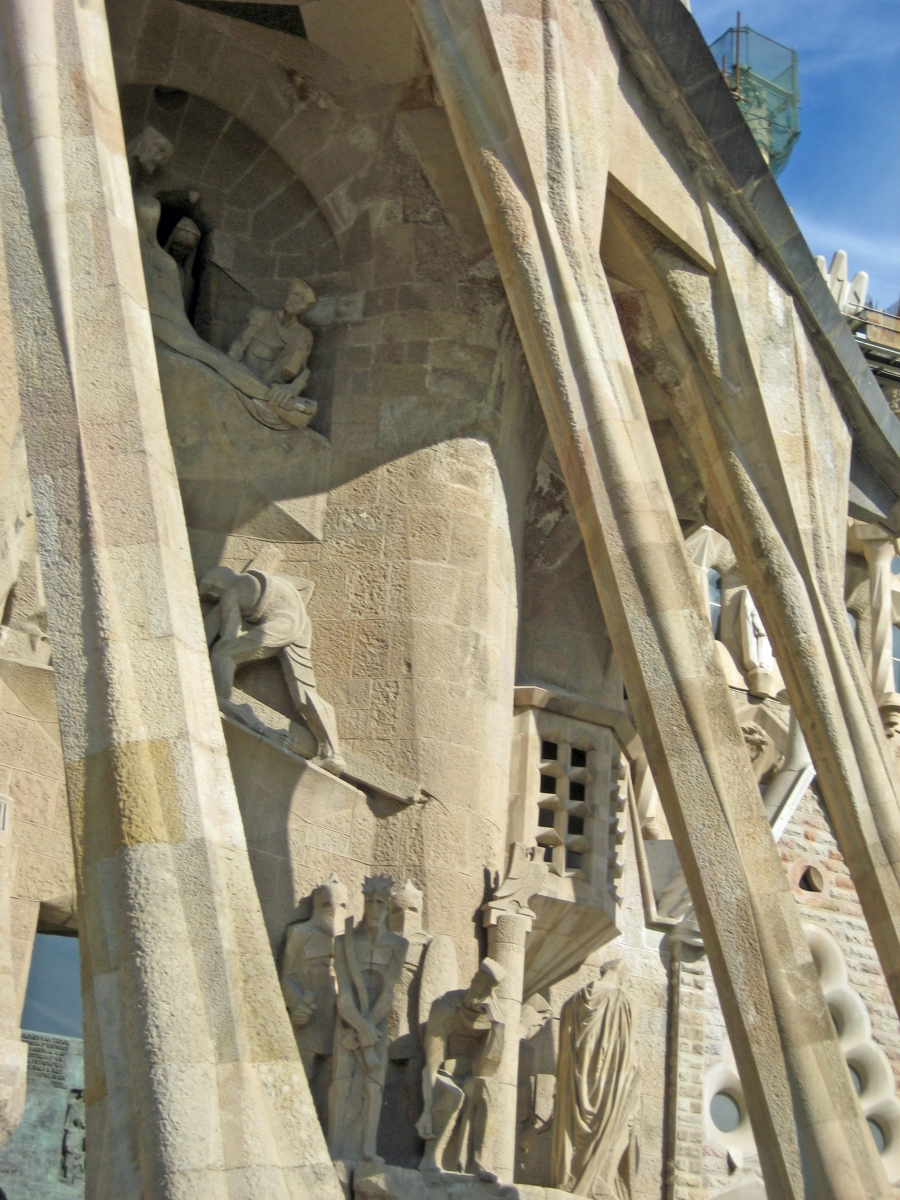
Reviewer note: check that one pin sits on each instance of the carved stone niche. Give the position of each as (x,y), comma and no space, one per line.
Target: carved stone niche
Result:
(567,797)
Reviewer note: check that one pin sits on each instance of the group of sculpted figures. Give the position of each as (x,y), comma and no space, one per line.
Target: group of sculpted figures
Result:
(375,1004)
(362,997)
(267,362)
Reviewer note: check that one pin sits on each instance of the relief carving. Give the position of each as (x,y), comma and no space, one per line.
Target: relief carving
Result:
(257,615)
(597,1090)
(464,1041)
(309,985)
(274,403)
(368,961)
(429,971)
(274,345)
(72,1167)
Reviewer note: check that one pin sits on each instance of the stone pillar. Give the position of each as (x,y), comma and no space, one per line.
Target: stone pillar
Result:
(544,230)
(13,1051)
(879,548)
(508,920)
(193,1081)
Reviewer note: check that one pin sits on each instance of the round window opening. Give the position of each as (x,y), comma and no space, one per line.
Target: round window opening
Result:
(858,1078)
(812,880)
(725,1112)
(837,1020)
(879,1137)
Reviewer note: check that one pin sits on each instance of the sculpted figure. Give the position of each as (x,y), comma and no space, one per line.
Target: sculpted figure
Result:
(149,151)
(429,970)
(756,649)
(309,985)
(182,246)
(596,1090)
(463,1047)
(269,402)
(368,959)
(73,1138)
(256,616)
(274,345)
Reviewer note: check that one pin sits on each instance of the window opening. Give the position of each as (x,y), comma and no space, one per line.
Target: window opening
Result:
(576,791)
(53,995)
(579,757)
(546,818)
(548,784)
(573,860)
(714,593)
(725,1112)
(549,750)
(576,826)
(879,1137)
(811,880)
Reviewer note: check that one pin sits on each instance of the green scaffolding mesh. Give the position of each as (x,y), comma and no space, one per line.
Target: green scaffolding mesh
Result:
(763,76)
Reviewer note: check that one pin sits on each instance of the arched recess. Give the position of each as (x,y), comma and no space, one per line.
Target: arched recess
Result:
(291,95)
(261,227)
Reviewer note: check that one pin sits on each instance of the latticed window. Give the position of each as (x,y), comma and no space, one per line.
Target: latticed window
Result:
(567,800)
(566,787)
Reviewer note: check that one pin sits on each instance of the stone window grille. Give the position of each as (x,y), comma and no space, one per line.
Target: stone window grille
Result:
(569,797)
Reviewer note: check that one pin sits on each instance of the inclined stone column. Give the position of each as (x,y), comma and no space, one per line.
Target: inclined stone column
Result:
(879,548)
(490,60)
(13,1051)
(193,1085)
(508,920)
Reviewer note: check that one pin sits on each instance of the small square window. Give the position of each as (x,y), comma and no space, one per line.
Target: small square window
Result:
(573,861)
(579,757)
(575,826)
(548,785)
(576,790)
(546,818)
(549,750)
(548,854)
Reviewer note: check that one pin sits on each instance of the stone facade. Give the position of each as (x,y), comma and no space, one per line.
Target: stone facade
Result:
(434,481)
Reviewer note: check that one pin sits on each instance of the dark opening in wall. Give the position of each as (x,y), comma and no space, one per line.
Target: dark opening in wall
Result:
(284,18)
(811,880)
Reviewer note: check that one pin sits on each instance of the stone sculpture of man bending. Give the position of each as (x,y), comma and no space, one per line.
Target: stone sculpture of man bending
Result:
(463,1048)
(257,616)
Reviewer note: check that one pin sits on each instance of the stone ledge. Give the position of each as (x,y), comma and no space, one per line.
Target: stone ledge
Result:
(380,1182)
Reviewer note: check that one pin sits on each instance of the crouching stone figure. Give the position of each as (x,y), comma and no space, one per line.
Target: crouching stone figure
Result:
(463,1047)
(256,616)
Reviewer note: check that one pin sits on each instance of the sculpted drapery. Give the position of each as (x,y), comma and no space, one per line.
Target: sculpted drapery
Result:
(596,1087)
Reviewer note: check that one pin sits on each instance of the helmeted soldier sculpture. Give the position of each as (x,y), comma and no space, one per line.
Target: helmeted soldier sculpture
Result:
(309,985)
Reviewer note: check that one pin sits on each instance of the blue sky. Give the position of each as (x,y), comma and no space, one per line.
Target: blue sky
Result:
(843,179)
